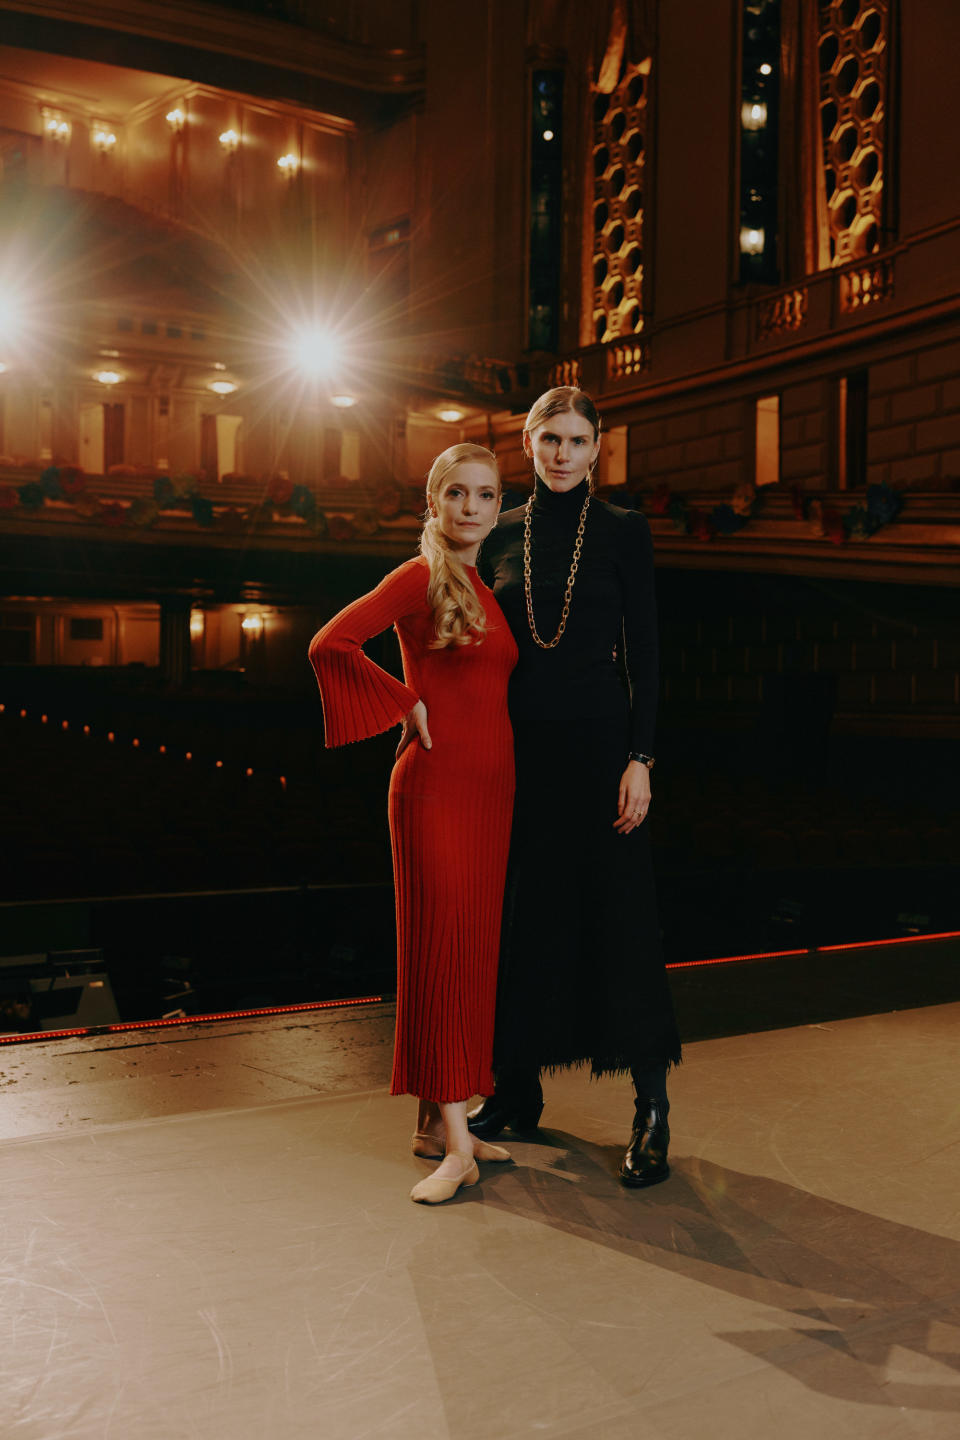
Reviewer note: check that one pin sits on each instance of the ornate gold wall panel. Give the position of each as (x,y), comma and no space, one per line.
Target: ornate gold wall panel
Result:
(854,101)
(620,135)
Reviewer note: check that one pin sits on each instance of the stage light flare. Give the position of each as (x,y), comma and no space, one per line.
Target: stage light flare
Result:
(316,352)
(11,320)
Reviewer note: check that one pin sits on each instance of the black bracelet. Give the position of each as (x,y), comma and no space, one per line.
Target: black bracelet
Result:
(642,759)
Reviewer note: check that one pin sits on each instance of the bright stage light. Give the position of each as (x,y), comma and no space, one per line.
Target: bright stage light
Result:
(316,352)
(11,320)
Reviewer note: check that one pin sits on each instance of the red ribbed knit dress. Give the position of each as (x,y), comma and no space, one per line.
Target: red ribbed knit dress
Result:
(449,810)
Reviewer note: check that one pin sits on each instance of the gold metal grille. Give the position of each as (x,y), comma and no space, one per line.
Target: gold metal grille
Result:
(854,96)
(619,160)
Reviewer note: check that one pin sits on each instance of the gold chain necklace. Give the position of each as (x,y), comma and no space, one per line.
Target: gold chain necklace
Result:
(574,565)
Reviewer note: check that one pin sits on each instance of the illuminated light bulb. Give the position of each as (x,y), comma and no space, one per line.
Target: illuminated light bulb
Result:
(288,165)
(110,736)
(44,719)
(163,749)
(230,140)
(753,115)
(176,119)
(451,416)
(2,709)
(283,782)
(248,772)
(343,402)
(316,352)
(766,69)
(55,127)
(104,140)
(107,377)
(548,134)
(752,241)
(189,755)
(86,729)
(135,744)
(23,714)
(222,387)
(64,724)
(219,764)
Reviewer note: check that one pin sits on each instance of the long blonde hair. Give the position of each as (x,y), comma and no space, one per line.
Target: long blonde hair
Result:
(459,617)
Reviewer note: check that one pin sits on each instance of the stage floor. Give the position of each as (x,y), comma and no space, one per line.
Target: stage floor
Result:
(207,1236)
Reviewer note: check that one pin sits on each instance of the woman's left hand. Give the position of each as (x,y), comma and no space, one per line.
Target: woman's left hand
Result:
(634,798)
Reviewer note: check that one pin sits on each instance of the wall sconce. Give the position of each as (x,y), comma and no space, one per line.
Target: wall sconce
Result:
(288,165)
(176,119)
(197,624)
(230,141)
(252,626)
(451,416)
(107,377)
(55,127)
(753,114)
(103,140)
(752,241)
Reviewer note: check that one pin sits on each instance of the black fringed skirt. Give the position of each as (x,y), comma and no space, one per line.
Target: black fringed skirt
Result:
(582,978)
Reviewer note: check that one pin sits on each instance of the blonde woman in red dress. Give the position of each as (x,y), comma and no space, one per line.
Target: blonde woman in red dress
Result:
(450,801)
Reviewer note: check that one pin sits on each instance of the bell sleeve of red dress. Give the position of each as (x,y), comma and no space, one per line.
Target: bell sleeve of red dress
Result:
(360,698)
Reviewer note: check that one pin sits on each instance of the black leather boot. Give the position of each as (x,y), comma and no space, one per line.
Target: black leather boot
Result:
(517,1102)
(645,1162)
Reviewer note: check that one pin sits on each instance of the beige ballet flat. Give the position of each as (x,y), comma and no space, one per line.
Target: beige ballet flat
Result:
(435,1189)
(483,1150)
(433,1147)
(427,1146)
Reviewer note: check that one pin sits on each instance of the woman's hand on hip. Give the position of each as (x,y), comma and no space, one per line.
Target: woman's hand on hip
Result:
(634,798)
(415,728)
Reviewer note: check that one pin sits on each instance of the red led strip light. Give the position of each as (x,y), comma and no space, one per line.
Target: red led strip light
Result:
(730,959)
(120,1026)
(897,940)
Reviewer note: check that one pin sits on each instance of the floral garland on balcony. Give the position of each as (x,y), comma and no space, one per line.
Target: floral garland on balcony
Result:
(282,499)
(724,519)
(880,506)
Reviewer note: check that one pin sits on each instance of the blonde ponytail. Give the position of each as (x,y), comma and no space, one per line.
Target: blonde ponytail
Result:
(459,617)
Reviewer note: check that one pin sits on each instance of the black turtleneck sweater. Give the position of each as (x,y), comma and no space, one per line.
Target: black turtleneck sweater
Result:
(612,629)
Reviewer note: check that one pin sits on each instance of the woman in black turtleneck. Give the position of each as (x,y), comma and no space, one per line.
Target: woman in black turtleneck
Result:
(582,975)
